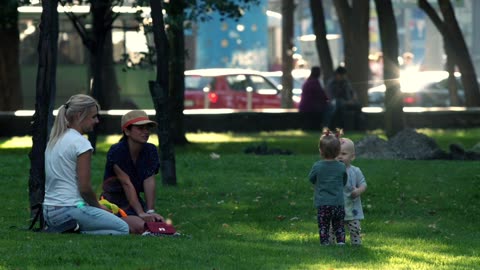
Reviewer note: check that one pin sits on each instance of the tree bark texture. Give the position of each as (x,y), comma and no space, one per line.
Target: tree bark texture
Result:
(321,42)
(452,81)
(354,24)
(177,66)
(104,87)
(288,7)
(394,121)
(10,82)
(160,96)
(45,97)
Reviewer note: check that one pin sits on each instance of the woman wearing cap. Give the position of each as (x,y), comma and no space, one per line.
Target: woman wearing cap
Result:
(131,166)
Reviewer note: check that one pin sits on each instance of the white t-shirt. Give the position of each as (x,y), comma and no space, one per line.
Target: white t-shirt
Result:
(61,180)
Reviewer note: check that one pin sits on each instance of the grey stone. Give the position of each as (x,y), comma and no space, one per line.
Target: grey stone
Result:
(412,145)
(373,147)
(476,148)
(407,144)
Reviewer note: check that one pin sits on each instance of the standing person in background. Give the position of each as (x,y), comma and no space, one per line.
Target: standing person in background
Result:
(376,68)
(328,177)
(314,99)
(69,197)
(131,166)
(407,62)
(343,96)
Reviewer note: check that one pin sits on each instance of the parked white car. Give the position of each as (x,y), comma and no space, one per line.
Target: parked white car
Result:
(421,89)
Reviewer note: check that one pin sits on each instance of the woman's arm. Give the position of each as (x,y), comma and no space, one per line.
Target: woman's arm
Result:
(129,190)
(150,190)
(84,180)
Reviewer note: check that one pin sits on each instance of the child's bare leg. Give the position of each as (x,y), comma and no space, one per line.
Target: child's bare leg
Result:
(355,232)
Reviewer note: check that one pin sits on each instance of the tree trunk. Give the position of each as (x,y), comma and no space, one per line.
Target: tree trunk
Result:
(45,97)
(104,86)
(354,24)
(10,83)
(101,54)
(452,81)
(321,42)
(288,8)
(394,121)
(110,88)
(177,66)
(160,96)
(464,61)
(96,69)
(447,46)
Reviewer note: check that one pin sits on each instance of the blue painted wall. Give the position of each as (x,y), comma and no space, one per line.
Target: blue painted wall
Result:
(233,44)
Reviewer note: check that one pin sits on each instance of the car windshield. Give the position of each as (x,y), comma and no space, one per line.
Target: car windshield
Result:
(254,83)
(263,86)
(238,82)
(297,82)
(196,83)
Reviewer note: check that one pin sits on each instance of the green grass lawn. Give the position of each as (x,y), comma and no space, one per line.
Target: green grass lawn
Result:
(242,211)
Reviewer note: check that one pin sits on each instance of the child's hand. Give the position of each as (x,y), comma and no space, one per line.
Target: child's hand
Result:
(355,193)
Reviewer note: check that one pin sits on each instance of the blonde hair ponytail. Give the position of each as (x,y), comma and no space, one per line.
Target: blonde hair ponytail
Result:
(76,104)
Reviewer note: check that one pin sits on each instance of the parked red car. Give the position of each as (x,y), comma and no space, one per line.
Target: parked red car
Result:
(229,88)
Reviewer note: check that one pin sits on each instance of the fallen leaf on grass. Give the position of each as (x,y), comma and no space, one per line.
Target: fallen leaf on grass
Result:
(214,156)
(257,199)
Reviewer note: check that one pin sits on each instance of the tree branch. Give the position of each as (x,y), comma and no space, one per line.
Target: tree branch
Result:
(81,30)
(344,12)
(432,14)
